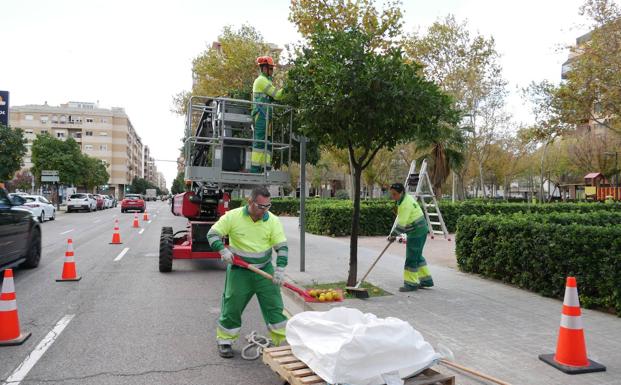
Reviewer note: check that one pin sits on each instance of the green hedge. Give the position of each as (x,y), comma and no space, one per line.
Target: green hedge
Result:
(451,212)
(537,252)
(334,218)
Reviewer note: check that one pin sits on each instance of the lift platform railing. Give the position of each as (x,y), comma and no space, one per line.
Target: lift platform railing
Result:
(216,126)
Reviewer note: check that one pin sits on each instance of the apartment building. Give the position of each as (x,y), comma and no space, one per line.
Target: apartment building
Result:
(107,134)
(160,181)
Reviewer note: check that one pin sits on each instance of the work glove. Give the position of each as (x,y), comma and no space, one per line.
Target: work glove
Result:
(279,276)
(226,256)
(391,238)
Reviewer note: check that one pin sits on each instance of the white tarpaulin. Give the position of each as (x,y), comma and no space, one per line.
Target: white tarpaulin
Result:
(345,346)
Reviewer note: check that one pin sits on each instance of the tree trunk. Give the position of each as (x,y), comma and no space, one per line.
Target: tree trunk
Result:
(355,225)
(543,161)
(481,179)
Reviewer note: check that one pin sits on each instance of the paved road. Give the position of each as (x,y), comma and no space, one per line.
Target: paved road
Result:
(124,322)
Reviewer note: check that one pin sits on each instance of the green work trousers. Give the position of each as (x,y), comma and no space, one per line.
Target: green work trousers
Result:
(416,272)
(261,151)
(239,288)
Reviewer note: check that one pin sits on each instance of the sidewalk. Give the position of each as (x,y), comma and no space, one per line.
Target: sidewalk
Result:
(491,327)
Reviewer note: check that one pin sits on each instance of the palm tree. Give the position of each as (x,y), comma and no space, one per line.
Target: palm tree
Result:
(444,152)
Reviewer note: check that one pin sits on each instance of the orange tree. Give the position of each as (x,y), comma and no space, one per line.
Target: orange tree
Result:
(355,95)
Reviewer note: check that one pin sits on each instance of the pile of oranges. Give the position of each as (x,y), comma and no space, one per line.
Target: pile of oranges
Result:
(325,295)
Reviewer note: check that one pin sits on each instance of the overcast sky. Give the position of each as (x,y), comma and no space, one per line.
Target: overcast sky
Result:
(137,54)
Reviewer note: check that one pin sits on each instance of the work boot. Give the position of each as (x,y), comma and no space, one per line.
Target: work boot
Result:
(226,351)
(405,289)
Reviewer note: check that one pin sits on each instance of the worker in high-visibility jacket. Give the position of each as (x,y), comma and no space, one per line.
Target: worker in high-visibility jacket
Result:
(411,221)
(263,91)
(252,232)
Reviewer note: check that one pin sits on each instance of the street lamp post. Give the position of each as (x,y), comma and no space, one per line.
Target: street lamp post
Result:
(616,171)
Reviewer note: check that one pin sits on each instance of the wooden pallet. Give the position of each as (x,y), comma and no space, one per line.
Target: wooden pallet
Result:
(282,361)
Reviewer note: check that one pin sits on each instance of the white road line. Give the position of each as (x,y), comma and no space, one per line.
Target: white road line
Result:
(31,360)
(121,254)
(66,232)
(149,222)
(141,231)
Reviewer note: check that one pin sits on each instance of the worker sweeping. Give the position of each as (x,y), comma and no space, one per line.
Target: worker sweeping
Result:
(411,221)
(253,232)
(263,91)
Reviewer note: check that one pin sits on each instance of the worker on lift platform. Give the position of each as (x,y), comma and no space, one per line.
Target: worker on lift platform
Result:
(263,91)
(253,231)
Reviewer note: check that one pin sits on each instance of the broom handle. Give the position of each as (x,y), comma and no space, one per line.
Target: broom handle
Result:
(239,262)
(474,372)
(374,263)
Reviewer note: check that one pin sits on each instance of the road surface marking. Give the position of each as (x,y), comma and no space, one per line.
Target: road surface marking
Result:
(65,232)
(121,254)
(22,370)
(141,231)
(96,220)
(149,222)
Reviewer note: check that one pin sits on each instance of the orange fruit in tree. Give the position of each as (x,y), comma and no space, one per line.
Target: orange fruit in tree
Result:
(322,298)
(329,297)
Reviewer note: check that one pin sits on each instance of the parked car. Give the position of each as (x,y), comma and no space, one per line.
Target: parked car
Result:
(81,201)
(20,234)
(41,208)
(114,201)
(133,202)
(107,201)
(100,201)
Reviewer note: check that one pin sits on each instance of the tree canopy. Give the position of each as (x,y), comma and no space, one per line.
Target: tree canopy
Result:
(229,68)
(592,89)
(74,168)
(12,150)
(355,96)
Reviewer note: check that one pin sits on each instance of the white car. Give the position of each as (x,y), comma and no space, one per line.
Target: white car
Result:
(81,201)
(40,207)
(107,201)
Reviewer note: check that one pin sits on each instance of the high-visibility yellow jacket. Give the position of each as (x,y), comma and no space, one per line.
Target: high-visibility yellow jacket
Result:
(408,213)
(253,241)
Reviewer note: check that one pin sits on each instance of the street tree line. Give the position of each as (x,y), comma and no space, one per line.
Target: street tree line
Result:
(48,153)
(372,98)
(488,149)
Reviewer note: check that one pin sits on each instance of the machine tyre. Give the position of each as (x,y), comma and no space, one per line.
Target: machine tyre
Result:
(166,247)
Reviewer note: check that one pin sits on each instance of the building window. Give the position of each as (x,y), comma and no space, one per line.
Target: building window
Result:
(88,147)
(28,132)
(103,147)
(54,119)
(28,117)
(88,133)
(104,120)
(43,131)
(103,133)
(44,119)
(60,134)
(89,120)
(63,119)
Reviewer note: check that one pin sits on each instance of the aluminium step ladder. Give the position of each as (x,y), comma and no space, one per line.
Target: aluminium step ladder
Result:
(418,185)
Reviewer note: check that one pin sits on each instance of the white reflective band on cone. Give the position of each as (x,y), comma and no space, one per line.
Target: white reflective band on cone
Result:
(571,297)
(70,247)
(9,305)
(69,259)
(8,286)
(571,322)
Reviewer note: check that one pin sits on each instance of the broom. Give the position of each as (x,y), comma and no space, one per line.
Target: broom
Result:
(360,292)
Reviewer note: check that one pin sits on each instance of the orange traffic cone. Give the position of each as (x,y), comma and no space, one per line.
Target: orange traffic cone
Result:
(9,320)
(69,271)
(116,236)
(136,224)
(571,354)
(145,216)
